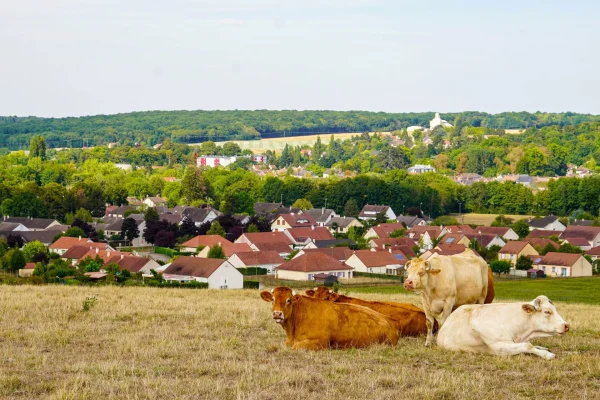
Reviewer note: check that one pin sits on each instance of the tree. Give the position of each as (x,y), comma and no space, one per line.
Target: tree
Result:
(502,220)
(129,229)
(547,249)
(14,260)
(521,228)
(397,233)
(31,249)
(569,248)
(193,185)
(351,209)
(393,158)
(216,229)
(15,241)
(444,221)
(216,252)
(524,263)
(165,239)
(500,267)
(37,147)
(188,228)
(151,214)
(90,264)
(74,231)
(83,215)
(302,204)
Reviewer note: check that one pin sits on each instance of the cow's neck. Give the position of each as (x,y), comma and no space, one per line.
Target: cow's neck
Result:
(293,321)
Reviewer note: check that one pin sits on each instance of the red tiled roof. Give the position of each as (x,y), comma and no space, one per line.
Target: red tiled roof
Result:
(299,220)
(68,242)
(279,247)
(587,232)
(384,230)
(131,263)
(193,266)
(318,233)
(378,258)
(496,230)
(269,237)
(594,251)
(542,233)
(339,253)
(513,247)
(382,242)
(29,266)
(577,241)
(449,249)
(559,259)
(260,257)
(215,240)
(313,262)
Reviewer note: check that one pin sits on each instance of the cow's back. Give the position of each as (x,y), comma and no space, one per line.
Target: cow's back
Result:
(463,276)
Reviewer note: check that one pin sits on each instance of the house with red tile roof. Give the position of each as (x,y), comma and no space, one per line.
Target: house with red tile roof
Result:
(219,274)
(252,238)
(594,253)
(580,242)
(563,264)
(65,243)
(341,253)
(515,249)
(293,220)
(486,240)
(304,268)
(370,211)
(377,262)
(505,232)
(27,270)
(590,233)
(300,237)
(258,259)
(133,264)
(383,230)
(387,242)
(208,241)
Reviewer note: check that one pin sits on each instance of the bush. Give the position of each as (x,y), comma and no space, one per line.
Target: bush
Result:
(523,263)
(72,282)
(251,284)
(500,267)
(253,271)
(381,276)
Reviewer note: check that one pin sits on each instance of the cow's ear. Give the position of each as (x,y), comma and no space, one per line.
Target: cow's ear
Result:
(528,308)
(266,296)
(296,298)
(310,293)
(434,271)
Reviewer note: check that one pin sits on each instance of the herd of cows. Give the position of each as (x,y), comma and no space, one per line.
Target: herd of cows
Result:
(456,291)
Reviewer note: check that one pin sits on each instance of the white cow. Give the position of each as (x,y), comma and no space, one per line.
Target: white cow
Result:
(445,283)
(502,329)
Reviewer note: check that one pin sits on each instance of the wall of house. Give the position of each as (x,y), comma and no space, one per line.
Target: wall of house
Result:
(511,235)
(226,275)
(581,268)
(149,266)
(303,276)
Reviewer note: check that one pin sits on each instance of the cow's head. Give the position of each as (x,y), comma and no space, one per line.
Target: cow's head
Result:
(321,292)
(417,274)
(544,319)
(283,299)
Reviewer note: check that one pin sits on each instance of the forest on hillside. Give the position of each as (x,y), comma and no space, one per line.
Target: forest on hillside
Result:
(152,127)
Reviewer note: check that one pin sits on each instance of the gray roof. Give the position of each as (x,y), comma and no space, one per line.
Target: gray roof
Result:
(45,237)
(8,226)
(542,222)
(320,214)
(582,222)
(31,223)
(524,179)
(409,220)
(322,244)
(341,221)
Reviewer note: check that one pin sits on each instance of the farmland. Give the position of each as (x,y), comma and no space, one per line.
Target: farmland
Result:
(167,343)
(485,219)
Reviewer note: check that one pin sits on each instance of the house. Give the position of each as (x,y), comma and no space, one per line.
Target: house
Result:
(283,249)
(594,253)
(44,237)
(27,270)
(590,233)
(155,201)
(322,215)
(387,242)
(339,253)
(259,158)
(540,243)
(455,238)
(216,161)
(582,222)
(307,265)
(467,178)
(459,229)
(342,224)
(253,238)
(32,224)
(371,211)
(409,221)
(377,262)
(292,220)
(7,227)
(542,233)
(563,264)
(580,242)
(208,241)
(426,235)
(438,121)
(549,223)
(303,236)
(112,227)
(65,243)
(133,264)
(444,250)
(219,274)
(323,244)
(118,212)
(486,240)
(132,201)
(383,230)
(200,215)
(259,259)
(420,169)
(525,180)
(515,249)
(504,232)
(169,179)
(270,210)
(83,251)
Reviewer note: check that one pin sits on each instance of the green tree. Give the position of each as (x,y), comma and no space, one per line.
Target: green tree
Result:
(129,229)
(193,185)
(302,204)
(37,147)
(31,249)
(500,267)
(521,228)
(534,162)
(216,252)
(547,249)
(151,214)
(216,229)
(569,248)
(444,221)
(14,260)
(231,149)
(398,233)
(83,215)
(252,228)
(75,231)
(351,209)
(524,263)
(502,220)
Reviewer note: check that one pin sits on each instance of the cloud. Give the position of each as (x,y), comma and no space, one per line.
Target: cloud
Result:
(230,21)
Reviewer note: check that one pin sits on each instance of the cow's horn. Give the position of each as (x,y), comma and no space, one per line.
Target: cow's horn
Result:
(293,293)
(428,265)
(407,264)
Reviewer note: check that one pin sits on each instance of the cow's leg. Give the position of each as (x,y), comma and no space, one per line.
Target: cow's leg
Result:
(448,305)
(510,349)
(429,321)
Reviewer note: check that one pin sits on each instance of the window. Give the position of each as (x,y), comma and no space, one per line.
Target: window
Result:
(553,269)
(310,277)
(563,272)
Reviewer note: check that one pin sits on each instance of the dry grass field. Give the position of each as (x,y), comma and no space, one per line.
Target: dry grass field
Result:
(486,219)
(146,343)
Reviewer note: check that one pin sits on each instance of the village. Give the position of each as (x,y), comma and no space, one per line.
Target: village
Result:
(308,245)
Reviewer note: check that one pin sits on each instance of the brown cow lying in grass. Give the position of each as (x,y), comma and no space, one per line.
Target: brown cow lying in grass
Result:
(409,319)
(315,324)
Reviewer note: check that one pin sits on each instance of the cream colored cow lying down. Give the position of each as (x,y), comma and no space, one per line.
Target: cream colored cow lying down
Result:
(502,329)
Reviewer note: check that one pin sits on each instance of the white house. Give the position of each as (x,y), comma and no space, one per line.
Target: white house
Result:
(549,223)
(219,274)
(216,161)
(342,224)
(155,201)
(370,212)
(260,259)
(437,121)
(305,267)
(420,169)
(376,262)
(502,231)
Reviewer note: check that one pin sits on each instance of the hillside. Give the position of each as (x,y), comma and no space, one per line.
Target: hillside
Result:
(197,126)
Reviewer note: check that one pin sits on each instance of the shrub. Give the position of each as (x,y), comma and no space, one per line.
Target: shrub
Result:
(251,284)
(500,267)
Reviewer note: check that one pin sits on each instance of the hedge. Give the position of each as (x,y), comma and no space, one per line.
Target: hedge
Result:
(253,271)
(251,284)
(380,276)
(172,253)
(187,285)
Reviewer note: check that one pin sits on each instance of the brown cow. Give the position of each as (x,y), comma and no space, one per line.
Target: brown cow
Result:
(314,324)
(489,297)
(409,319)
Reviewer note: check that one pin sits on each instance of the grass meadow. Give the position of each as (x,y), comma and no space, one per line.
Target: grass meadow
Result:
(150,343)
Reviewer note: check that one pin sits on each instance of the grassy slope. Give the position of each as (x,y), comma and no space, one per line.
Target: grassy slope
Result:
(167,343)
(573,290)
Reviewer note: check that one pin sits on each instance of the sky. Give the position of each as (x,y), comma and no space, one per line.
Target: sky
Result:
(84,57)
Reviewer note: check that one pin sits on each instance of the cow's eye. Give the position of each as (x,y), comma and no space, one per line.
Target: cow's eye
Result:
(288,301)
(548,312)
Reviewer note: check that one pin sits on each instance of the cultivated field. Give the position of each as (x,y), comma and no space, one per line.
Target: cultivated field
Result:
(148,343)
(485,219)
(277,144)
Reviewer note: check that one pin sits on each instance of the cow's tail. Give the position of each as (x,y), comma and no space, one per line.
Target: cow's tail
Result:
(489,297)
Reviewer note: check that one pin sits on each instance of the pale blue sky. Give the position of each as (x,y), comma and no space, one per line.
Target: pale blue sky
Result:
(83,57)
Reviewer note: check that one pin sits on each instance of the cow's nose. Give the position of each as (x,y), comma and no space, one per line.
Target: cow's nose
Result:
(408,283)
(567,327)
(277,314)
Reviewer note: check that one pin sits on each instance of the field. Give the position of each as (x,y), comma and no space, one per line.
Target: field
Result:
(277,144)
(147,343)
(485,219)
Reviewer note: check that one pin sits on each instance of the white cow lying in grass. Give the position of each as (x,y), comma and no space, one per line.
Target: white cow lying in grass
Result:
(502,329)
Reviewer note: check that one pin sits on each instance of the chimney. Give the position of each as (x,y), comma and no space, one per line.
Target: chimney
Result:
(312,227)
(322,210)
(390,250)
(79,237)
(96,250)
(121,256)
